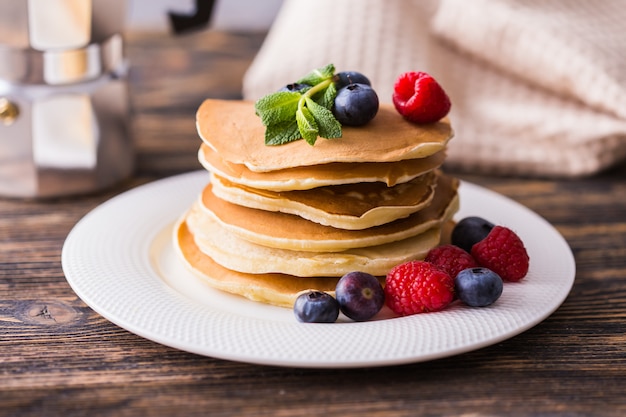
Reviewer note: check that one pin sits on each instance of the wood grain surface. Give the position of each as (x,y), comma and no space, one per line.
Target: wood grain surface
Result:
(58,357)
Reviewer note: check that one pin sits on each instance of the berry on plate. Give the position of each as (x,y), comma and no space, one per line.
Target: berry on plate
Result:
(419,98)
(478,287)
(469,231)
(418,287)
(360,295)
(504,253)
(316,307)
(451,259)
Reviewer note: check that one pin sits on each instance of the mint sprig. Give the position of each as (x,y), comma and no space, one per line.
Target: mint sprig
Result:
(293,115)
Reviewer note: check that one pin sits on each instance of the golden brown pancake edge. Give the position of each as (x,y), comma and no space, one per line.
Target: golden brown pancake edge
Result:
(314,176)
(275,289)
(346,206)
(235,132)
(287,231)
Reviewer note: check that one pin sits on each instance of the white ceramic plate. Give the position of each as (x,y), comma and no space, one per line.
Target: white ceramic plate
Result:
(119,259)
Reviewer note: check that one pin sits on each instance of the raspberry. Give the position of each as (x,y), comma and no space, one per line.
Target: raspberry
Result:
(451,259)
(504,253)
(419,98)
(418,287)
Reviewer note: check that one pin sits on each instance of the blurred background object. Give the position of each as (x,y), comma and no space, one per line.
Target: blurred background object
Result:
(537,88)
(63,72)
(64,99)
(230,15)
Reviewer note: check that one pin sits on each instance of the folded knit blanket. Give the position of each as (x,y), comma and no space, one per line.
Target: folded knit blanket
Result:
(538,88)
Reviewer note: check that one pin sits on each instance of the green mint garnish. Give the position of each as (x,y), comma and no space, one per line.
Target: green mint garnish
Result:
(293,115)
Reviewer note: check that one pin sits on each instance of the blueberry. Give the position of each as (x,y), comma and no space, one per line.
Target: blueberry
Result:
(478,287)
(470,231)
(316,307)
(360,295)
(344,78)
(355,104)
(294,87)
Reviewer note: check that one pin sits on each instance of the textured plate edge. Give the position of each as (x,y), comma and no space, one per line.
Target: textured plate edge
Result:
(202,175)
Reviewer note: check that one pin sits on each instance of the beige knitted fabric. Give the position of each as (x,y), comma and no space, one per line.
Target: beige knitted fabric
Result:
(538,87)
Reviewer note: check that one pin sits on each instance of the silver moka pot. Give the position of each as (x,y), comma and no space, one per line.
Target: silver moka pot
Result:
(64,104)
(64,107)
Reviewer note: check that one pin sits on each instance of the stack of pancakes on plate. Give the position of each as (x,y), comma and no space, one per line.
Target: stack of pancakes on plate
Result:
(277,220)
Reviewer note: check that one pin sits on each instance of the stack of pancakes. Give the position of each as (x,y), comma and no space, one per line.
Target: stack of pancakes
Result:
(277,220)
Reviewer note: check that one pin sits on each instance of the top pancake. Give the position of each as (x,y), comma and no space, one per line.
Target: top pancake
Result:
(233,130)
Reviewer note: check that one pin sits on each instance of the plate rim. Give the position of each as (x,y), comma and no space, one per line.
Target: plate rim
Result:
(164,336)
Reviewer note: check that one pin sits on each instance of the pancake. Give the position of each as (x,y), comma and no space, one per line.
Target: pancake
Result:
(233,130)
(275,289)
(350,206)
(275,221)
(288,231)
(308,177)
(226,249)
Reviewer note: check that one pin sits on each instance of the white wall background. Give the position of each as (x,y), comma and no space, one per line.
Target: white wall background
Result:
(238,15)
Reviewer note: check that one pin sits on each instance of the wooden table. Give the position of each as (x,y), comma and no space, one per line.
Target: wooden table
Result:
(58,357)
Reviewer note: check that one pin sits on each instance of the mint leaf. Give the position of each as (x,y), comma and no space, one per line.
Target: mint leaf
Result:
(328,127)
(277,107)
(281,133)
(327,98)
(306,113)
(318,75)
(307,125)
